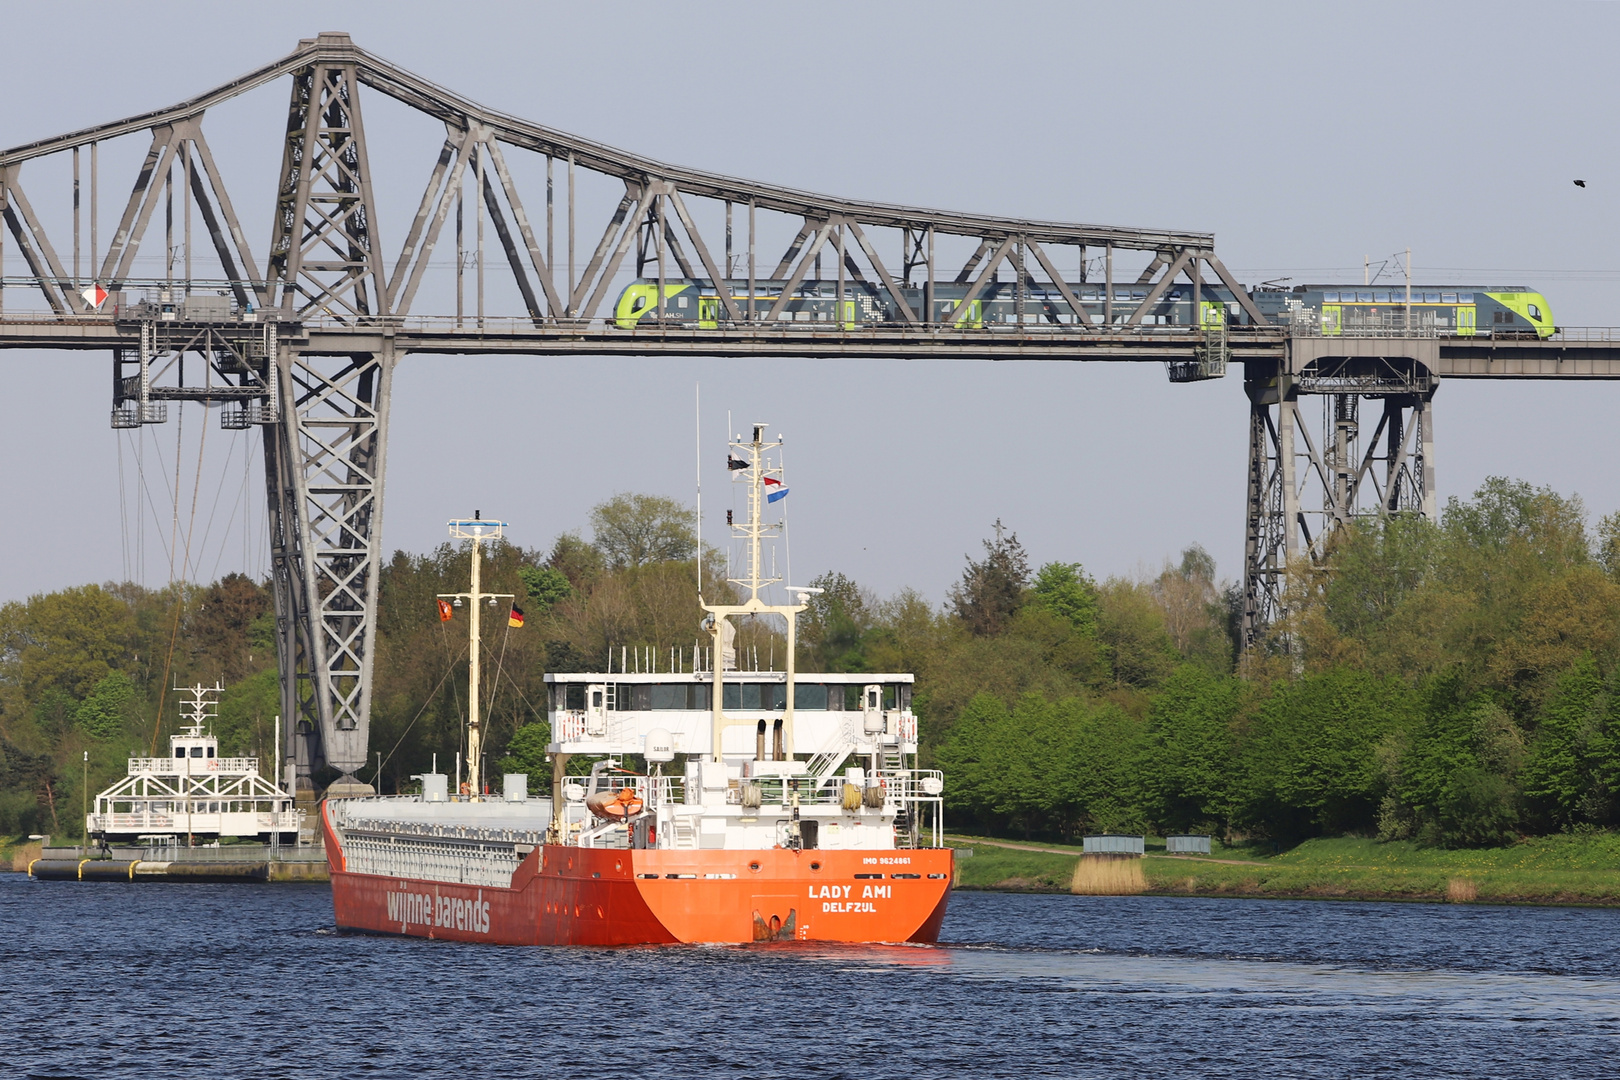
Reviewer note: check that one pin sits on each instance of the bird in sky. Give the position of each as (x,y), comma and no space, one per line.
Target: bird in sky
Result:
(1580,183)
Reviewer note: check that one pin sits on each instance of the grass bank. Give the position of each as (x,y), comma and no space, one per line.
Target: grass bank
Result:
(1544,870)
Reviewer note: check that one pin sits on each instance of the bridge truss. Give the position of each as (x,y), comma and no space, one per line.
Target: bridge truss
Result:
(303,345)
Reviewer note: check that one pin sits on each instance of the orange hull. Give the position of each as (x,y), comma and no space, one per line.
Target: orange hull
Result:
(594,896)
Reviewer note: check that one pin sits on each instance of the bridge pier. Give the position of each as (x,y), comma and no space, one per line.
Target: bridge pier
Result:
(1302,488)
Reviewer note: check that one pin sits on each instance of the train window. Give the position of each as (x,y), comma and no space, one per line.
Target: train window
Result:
(1364,297)
(1465,298)
(1330,298)
(680,301)
(1448,298)
(640,302)
(1431,298)
(1535,312)
(1380,297)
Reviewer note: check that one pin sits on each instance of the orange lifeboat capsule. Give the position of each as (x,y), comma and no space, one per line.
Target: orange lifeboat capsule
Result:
(615,806)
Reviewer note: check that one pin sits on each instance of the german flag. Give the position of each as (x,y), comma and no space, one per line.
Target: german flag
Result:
(516,618)
(445,611)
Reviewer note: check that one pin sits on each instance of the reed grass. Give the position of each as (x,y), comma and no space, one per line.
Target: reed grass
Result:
(1108,875)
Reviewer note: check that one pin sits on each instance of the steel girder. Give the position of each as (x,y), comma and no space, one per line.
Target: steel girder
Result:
(326,258)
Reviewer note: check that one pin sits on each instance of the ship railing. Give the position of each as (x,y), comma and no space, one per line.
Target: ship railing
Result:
(173,766)
(899,785)
(129,822)
(571,725)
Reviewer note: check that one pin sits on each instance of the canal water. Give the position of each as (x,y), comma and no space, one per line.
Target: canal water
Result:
(146,980)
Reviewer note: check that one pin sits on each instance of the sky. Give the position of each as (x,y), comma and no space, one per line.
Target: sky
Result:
(1307,138)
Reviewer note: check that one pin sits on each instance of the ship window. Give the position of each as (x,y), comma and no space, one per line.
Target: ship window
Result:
(809,696)
(179,751)
(572,695)
(775,694)
(196,751)
(596,699)
(210,751)
(667,696)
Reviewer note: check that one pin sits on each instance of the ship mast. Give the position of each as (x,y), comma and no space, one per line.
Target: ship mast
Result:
(477,530)
(757,473)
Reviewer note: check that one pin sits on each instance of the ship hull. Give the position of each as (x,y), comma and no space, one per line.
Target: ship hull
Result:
(594,896)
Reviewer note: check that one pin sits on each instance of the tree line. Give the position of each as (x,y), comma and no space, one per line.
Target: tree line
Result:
(1450,683)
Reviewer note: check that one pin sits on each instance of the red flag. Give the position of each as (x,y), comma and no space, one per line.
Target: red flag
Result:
(445,611)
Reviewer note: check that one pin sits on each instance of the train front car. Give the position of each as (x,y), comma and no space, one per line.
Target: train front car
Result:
(1517,313)
(1443,310)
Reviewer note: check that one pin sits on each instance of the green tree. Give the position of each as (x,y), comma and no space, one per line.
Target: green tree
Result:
(833,626)
(526,751)
(103,713)
(1309,763)
(544,586)
(969,756)
(992,589)
(1064,590)
(1187,762)
(633,530)
(1130,626)
(1559,778)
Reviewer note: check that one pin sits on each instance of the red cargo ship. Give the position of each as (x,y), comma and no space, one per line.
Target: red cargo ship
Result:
(792,808)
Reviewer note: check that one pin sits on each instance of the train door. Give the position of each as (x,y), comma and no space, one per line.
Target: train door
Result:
(849,314)
(973,317)
(709,312)
(1465,321)
(1212,313)
(1330,318)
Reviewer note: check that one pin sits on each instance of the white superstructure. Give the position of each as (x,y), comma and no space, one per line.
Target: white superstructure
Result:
(194,794)
(771,758)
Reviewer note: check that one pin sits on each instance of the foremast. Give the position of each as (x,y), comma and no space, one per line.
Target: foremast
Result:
(757,472)
(477,530)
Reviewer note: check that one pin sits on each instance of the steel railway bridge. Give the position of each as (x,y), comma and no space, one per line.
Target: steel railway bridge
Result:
(305,343)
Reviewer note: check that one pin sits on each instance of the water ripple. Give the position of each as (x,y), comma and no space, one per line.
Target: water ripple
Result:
(114,980)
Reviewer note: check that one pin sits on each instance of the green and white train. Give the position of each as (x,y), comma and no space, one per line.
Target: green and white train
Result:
(1449,310)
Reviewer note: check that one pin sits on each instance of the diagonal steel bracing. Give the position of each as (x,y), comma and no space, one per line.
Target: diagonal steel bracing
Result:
(324,467)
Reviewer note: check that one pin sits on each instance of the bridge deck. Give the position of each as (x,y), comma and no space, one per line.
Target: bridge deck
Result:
(1574,354)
